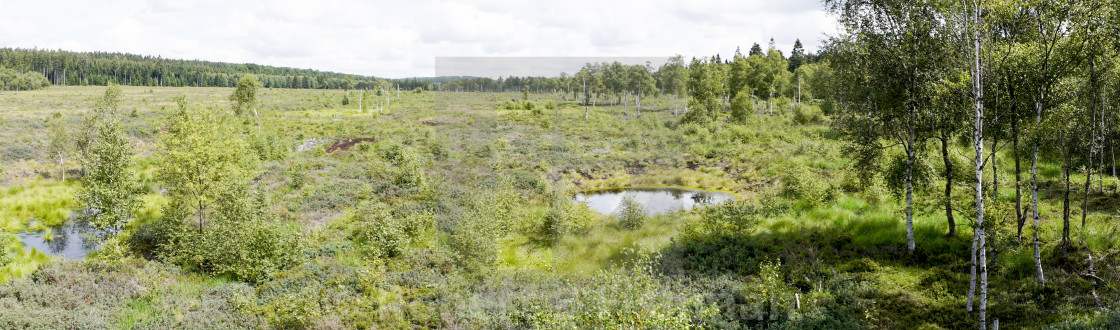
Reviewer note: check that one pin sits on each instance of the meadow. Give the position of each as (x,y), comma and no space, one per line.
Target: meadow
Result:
(455,210)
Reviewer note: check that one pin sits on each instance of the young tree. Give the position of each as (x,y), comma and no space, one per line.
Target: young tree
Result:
(203,165)
(980,233)
(58,141)
(756,50)
(796,56)
(1050,21)
(104,107)
(673,78)
(110,189)
(705,86)
(883,60)
(244,97)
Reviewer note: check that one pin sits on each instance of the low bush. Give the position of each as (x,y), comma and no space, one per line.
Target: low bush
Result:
(631,213)
(375,227)
(799,182)
(808,114)
(17,152)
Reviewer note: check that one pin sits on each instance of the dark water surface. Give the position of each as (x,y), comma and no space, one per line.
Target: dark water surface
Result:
(658,200)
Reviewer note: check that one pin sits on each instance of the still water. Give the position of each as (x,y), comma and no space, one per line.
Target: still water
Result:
(73,240)
(657,200)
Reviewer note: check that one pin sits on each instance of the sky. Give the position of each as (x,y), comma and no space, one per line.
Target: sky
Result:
(403,38)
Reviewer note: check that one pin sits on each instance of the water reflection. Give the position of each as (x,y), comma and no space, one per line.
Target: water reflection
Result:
(74,240)
(655,200)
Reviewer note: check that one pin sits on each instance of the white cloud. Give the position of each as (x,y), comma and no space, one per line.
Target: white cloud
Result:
(402,38)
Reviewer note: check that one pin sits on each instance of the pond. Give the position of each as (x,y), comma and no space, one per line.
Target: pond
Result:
(73,240)
(657,200)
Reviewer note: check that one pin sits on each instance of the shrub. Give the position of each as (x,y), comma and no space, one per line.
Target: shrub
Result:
(861,265)
(807,114)
(251,250)
(742,106)
(631,214)
(731,218)
(566,217)
(1100,319)
(6,241)
(475,241)
(17,152)
(800,182)
(269,147)
(376,227)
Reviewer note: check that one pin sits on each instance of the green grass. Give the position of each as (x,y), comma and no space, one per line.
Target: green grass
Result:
(35,207)
(468,144)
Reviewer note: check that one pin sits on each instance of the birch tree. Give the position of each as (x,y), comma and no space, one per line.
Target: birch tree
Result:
(883,58)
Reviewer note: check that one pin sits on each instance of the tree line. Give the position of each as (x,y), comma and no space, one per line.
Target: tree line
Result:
(60,67)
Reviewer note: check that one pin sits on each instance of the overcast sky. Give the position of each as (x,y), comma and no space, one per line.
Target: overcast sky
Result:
(402,38)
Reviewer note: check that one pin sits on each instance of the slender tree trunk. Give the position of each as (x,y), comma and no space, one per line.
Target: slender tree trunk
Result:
(948,187)
(771,101)
(972,268)
(1085,195)
(258,120)
(200,212)
(909,192)
(1034,194)
(586,98)
(995,169)
(978,144)
(1065,197)
(62,166)
(1020,218)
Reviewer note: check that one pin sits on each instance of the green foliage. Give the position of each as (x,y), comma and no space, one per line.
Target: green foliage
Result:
(1100,319)
(802,183)
(742,106)
(631,214)
(109,189)
(409,167)
(6,241)
(244,98)
(67,294)
(59,141)
(109,103)
(203,165)
(19,152)
(270,147)
(566,217)
(808,114)
(375,227)
(922,174)
(734,217)
(705,87)
(346,99)
(474,239)
(251,250)
(15,81)
(633,299)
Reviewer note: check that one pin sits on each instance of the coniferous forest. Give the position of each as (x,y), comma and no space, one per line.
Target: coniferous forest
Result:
(933,164)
